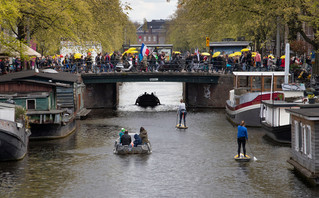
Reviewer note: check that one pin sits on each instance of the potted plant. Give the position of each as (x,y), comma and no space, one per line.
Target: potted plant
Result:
(311,98)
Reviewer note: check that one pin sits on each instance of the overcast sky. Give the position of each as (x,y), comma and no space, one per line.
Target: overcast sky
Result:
(150,9)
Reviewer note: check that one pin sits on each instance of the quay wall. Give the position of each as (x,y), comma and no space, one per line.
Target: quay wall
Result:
(101,96)
(208,95)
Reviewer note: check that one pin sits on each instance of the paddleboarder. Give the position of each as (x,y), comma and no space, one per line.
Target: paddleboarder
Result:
(182,112)
(242,136)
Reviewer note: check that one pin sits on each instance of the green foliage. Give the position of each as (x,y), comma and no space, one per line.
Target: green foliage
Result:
(256,20)
(47,22)
(20,113)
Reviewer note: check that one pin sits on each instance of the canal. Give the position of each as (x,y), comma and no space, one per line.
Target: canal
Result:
(197,162)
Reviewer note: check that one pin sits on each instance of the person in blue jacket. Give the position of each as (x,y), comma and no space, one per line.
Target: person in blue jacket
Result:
(242,136)
(137,141)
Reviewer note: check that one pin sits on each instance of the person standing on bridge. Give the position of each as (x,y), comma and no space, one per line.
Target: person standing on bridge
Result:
(182,112)
(242,136)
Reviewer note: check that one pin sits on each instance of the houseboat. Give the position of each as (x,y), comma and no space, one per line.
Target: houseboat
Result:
(52,100)
(14,135)
(251,88)
(276,120)
(304,143)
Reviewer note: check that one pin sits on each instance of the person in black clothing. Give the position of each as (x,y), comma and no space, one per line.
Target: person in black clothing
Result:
(126,138)
(2,66)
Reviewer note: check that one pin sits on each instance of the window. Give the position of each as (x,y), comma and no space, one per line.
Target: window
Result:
(308,141)
(139,39)
(279,81)
(154,38)
(144,38)
(300,138)
(267,83)
(304,139)
(296,135)
(256,83)
(149,38)
(30,104)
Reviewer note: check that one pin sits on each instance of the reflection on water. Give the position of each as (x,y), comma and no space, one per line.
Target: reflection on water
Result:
(197,162)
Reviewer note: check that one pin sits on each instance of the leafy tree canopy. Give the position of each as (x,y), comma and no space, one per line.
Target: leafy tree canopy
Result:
(48,22)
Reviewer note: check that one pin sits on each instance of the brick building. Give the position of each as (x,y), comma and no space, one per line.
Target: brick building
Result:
(153,33)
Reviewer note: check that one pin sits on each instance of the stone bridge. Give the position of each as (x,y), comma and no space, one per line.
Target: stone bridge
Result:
(200,90)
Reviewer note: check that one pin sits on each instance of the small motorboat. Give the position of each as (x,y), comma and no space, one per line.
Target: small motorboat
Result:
(130,149)
(242,158)
(147,100)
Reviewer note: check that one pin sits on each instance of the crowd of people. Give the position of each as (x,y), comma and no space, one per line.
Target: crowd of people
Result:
(157,61)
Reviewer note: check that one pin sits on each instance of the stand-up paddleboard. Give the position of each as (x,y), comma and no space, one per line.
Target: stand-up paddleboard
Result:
(181,126)
(242,158)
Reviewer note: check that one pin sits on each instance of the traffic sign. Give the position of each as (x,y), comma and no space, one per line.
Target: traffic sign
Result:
(207,41)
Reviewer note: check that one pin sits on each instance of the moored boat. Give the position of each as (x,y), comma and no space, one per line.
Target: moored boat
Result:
(14,137)
(51,124)
(250,88)
(130,149)
(277,121)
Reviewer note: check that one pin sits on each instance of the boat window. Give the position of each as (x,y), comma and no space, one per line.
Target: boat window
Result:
(279,81)
(243,81)
(256,83)
(308,141)
(300,137)
(30,104)
(304,139)
(296,135)
(267,83)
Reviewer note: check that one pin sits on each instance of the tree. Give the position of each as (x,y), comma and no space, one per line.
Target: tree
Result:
(145,28)
(256,20)
(50,21)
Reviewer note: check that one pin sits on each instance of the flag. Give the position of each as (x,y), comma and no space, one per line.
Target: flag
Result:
(144,50)
(197,53)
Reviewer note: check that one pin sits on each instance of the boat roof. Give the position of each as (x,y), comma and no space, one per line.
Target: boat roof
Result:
(36,112)
(307,113)
(259,73)
(6,105)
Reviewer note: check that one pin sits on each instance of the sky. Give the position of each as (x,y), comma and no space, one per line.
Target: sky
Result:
(150,9)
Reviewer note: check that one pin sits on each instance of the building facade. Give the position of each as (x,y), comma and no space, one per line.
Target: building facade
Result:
(153,32)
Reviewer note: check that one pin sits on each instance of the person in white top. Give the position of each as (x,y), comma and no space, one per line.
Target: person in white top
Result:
(182,112)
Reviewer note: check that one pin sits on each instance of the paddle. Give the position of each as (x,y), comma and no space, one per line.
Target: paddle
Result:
(255,159)
(176,118)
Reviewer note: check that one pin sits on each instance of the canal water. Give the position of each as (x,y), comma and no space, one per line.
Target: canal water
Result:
(197,162)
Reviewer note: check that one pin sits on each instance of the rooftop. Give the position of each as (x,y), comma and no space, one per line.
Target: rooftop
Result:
(230,43)
(307,113)
(31,75)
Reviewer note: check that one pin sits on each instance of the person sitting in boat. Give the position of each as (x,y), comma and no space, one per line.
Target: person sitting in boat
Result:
(242,136)
(137,141)
(182,112)
(143,135)
(126,138)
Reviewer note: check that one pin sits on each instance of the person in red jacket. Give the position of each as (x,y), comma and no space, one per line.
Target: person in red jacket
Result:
(282,63)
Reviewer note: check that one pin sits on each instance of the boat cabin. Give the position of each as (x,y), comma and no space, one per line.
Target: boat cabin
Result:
(304,142)
(258,81)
